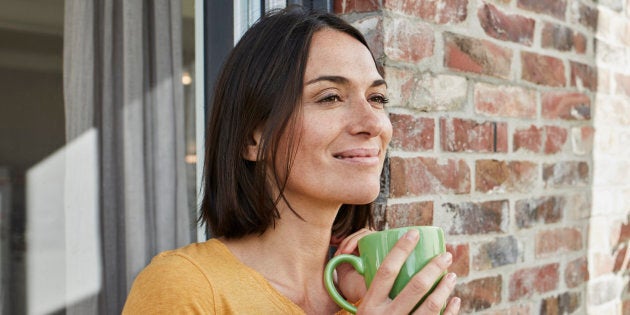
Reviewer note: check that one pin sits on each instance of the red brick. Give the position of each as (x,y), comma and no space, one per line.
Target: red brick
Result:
(529,212)
(506,101)
(478,56)
(519,309)
(412,133)
(621,259)
(508,27)
(408,41)
(567,173)
(624,234)
(583,76)
(562,38)
(479,294)
(555,138)
(477,218)
(625,308)
(528,139)
(463,135)
(440,12)
(565,303)
(576,272)
(400,84)
(461,259)
(588,16)
(513,176)
(544,70)
(410,214)
(496,253)
(582,140)
(526,282)
(422,175)
(554,8)
(347,6)
(566,105)
(556,241)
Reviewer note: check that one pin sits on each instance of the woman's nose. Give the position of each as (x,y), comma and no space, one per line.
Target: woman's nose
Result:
(368,120)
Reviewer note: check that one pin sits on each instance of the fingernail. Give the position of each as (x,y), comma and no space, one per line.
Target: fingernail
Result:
(457,302)
(447,257)
(451,276)
(412,235)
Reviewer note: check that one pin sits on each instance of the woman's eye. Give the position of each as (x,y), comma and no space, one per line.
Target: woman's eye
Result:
(330,99)
(380,99)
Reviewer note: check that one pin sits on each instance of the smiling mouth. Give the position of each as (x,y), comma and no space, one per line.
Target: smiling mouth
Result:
(358,154)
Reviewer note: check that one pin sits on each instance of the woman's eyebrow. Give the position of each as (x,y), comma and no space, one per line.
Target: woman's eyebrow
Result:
(342,80)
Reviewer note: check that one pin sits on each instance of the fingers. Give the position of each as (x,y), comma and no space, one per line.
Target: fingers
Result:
(389,269)
(452,308)
(349,244)
(423,281)
(437,299)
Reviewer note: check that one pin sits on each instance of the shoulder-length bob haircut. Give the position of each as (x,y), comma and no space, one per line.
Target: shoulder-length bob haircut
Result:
(260,88)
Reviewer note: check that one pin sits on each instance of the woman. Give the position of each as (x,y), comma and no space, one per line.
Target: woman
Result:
(295,146)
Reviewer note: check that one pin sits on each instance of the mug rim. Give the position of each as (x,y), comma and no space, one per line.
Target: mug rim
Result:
(397,230)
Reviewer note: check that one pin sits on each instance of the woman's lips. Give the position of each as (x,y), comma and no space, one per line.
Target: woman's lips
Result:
(361,155)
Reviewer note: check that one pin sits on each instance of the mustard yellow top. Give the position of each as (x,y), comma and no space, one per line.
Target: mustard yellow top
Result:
(204,278)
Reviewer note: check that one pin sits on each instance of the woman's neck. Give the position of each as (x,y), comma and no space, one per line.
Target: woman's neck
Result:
(291,255)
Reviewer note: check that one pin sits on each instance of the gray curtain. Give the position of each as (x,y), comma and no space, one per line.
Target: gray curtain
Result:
(122,76)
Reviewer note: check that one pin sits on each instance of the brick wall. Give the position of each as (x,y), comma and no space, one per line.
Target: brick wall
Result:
(512,132)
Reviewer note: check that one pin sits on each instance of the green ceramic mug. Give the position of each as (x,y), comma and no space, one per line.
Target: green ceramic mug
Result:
(374,247)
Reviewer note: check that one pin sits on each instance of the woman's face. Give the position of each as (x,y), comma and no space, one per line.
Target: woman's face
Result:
(344,130)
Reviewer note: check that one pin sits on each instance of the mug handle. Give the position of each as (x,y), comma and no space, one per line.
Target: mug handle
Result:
(357,263)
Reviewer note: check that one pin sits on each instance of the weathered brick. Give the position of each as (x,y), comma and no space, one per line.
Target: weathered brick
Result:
(461,259)
(479,294)
(412,133)
(576,272)
(422,175)
(556,241)
(507,101)
(565,303)
(566,105)
(624,233)
(348,6)
(583,76)
(601,264)
(588,16)
(555,138)
(530,212)
(508,27)
(543,70)
(477,218)
(440,12)
(603,290)
(410,214)
(371,27)
(467,54)
(526,282)
(519,309)
(407,41)
(568,173)
(528,139)
(499,252)
(582,140)
(554,8)
(400,84)
(621,259)
(513,176)
(562,38)
(463,135)
(623,84)
(439,93)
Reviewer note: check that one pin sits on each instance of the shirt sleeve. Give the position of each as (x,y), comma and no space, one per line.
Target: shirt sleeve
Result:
(170,284)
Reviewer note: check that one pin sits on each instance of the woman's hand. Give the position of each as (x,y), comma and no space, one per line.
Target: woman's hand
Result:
(376,299)
(350,283)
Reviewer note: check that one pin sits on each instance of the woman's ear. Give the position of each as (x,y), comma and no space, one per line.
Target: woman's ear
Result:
(252,147)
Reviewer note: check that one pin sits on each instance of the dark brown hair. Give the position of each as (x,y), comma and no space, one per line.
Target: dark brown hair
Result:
(260,86)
